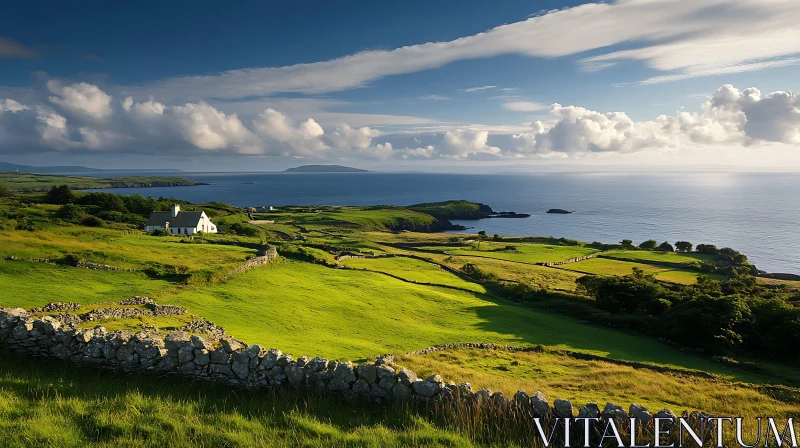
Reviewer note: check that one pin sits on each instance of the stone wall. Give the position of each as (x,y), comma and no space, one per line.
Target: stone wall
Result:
(203,351)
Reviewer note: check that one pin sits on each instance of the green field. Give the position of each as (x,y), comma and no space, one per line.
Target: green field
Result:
(131,249)
(667,257)
(560,376)
(363,218)
(27,284)
(524,253)
(306,309)
(602,266)
(413,270)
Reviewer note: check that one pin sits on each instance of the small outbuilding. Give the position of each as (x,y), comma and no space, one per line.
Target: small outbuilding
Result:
(180,223)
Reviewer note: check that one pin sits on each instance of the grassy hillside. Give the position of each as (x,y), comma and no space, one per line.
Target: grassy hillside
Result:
(306,309)
(44,403)
(27,284)
(523,253)
(413,270)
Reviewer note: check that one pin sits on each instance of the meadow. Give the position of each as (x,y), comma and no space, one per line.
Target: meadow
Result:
(560,376)
(604,266)
(27,182)
(413,270)
(27,284)
(521,253)
(122,248)
(307,309)
(658,256)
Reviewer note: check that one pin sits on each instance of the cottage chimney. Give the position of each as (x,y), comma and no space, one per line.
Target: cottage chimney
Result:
(175,210)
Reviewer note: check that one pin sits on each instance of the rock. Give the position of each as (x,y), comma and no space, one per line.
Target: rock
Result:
(255,351)
(367,372)
(640,413)
(434,379)
(499,399)
(482,395)
(613,411)
(338,384)
(284,360)
(666,413)
(589,410)
(200,343)
(562,408)
(201,357)
(61,352)
(240,364)
(559,211)
(303,361)
(185,353)
(541,407)
(220,356)
(175,340)
(317,365)
(295,373)
(221,369)
(21,330)
(465,389)
(407,377)
(401,391)
(271,358)
(385,371)
(426,388)
(361,387)
(231,345)
(376,391)
(521,398)
(344,371)
(387,383)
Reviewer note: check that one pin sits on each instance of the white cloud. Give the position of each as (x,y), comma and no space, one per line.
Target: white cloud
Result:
(524,106)
(81,99)
(679,38)
(207,128)
(435,98)
(476,89)
(730,117)
(10,105)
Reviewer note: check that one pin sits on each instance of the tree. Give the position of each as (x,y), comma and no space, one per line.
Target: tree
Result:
(4,191)
(481,237)
(70,213)
(666,247)
(497,237)
(626,244)
(683,246)
(60,195)
(709,249)
(649,245)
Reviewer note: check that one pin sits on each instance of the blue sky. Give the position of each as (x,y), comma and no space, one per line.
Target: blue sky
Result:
(263,85)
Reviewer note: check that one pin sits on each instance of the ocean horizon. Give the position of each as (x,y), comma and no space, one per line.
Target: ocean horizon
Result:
(755,213)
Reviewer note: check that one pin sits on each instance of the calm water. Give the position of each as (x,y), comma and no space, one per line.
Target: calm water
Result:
(756,213)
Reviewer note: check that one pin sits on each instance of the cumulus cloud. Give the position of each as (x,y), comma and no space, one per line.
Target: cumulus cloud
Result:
(681,39)
(730,117)
(81,99)
(81,117)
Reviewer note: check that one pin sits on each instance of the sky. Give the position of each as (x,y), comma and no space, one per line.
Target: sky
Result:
(483,85)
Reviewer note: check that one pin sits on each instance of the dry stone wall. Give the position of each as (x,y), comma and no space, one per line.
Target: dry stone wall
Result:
(203,351)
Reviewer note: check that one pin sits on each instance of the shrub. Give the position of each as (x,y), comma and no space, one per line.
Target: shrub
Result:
(666,247)
(683,246)
(4,191)
(60,195)
(649,245)
(93,221)
(69,260)
(70,213)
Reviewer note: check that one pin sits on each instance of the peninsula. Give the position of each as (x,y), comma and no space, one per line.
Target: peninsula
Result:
(30,182)
(324,169)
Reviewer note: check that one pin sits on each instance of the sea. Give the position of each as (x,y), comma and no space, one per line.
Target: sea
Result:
(755,213)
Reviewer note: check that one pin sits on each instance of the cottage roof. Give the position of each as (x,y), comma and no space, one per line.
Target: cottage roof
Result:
(159,219)
(184,219)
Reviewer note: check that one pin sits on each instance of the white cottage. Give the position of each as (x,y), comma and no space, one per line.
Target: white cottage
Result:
(180,223)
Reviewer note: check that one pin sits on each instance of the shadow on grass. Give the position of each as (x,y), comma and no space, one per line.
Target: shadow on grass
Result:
(105,406)
(531,326)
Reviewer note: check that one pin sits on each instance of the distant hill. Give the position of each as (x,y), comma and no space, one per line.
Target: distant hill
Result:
(11,167)
(324,169)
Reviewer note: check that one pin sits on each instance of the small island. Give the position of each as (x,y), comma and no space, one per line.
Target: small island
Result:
(324,169)
(559,211)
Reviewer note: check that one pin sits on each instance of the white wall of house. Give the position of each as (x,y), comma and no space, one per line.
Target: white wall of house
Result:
(204,225)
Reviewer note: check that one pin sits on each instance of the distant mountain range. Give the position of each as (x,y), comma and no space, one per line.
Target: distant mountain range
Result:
(324,169)
(11,167)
